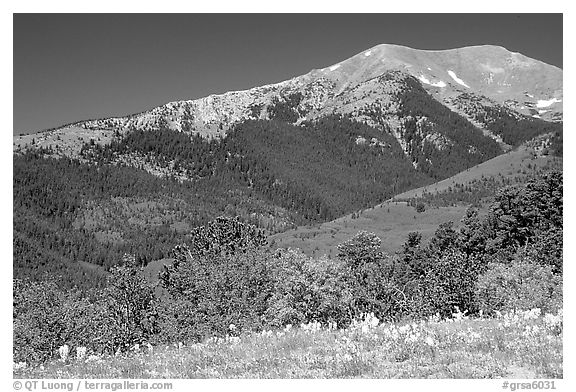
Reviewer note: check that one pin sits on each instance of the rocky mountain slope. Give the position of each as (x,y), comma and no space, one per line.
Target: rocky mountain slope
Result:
(470,81)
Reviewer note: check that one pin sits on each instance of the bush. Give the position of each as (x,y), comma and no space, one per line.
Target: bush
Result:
(363,248)
(547,249)
(448,282)
(223,277)
(104,321)
(308,290)
(520,214)
(129,311)
(38,319)
(210,292)
(521,285)
(225,235)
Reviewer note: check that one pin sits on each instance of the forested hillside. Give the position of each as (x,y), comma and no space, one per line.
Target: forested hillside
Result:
(514,129)
(444,143)
(67,212)
(145,190)
(320,170)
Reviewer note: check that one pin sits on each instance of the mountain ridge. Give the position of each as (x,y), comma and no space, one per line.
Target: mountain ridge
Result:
(397,56)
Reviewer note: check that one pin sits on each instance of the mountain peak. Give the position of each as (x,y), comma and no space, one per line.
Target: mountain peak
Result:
(372,78)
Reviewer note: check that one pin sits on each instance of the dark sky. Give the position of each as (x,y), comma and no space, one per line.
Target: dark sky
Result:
(73,67)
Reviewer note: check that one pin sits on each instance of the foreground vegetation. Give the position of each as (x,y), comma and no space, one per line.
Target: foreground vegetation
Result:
(227,286)
(514,345)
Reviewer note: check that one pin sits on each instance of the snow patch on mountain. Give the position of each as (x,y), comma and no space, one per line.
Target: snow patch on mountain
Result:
(334,67)
(368,53)
(457,79)
(424,79)
(543,103)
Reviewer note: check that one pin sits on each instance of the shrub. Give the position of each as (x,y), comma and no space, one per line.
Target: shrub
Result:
(223,277)
(370,277)
(521,285)
(106,320)
(129,313)
(210,292)
(307,290)
(363,248)
(520,214)
(225,235)
(38,319)
(547,249)
(448,282)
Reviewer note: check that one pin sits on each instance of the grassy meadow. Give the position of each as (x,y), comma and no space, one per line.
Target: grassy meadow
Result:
(512,345)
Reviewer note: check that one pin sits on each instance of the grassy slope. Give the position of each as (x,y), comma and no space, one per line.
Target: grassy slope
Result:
(393,220)
(511,346)
(507,164)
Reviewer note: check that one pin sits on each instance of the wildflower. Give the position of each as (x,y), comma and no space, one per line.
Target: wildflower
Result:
(63,351)
(232,327)
(92,358)
(312,326)
(411,338)
(430,341)
(80,353)
(435,318)
(136,347)
(551,321)
(471,336)
(149,348)
(391,332)
(532,314)
(372,320)
(459,315)
(288,327)
(19,365)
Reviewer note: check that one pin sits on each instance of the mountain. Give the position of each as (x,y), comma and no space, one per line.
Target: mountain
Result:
(464,79)
(303,151)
